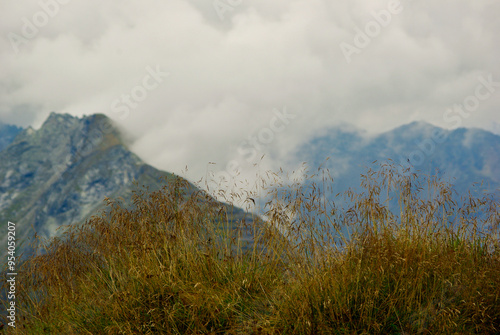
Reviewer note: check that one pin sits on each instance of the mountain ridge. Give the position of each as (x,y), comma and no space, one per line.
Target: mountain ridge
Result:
(61,173)
(462,156)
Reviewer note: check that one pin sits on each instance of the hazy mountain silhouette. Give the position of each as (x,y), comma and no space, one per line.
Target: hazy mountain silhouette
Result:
(461,156)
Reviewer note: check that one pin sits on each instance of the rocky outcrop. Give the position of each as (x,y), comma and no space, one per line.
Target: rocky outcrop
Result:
(61,173)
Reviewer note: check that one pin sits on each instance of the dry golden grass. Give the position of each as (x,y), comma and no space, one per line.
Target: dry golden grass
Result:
(174,264)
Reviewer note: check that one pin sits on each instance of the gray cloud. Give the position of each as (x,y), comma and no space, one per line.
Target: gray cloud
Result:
(228,73)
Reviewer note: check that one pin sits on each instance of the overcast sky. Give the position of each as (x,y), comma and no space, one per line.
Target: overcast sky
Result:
(192,80)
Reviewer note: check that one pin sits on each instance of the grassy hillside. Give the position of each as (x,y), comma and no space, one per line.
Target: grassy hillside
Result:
(176,266)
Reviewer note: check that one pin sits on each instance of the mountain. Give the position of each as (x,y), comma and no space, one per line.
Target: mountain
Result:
(461,156)
(61,173)
(7,134)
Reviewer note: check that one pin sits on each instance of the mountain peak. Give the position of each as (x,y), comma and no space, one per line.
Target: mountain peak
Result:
(60,116)
(58,120)
(65,168)
(415,130)
(62,172)
(416,125)
(68,139)
(91,126)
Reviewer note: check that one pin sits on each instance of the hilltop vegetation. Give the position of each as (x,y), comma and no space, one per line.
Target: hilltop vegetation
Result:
(175,264)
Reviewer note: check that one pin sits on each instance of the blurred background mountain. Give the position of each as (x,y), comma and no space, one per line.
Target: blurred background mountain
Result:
(463,156)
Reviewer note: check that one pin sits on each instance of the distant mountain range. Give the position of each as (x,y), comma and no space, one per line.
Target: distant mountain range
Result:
(461,156)
(61,173)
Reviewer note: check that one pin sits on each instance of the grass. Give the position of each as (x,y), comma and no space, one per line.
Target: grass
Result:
(176,264)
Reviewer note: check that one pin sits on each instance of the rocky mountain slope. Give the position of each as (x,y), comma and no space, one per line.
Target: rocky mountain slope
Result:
(61,173)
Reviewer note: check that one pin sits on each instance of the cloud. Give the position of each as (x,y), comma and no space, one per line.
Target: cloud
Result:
(229,72)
